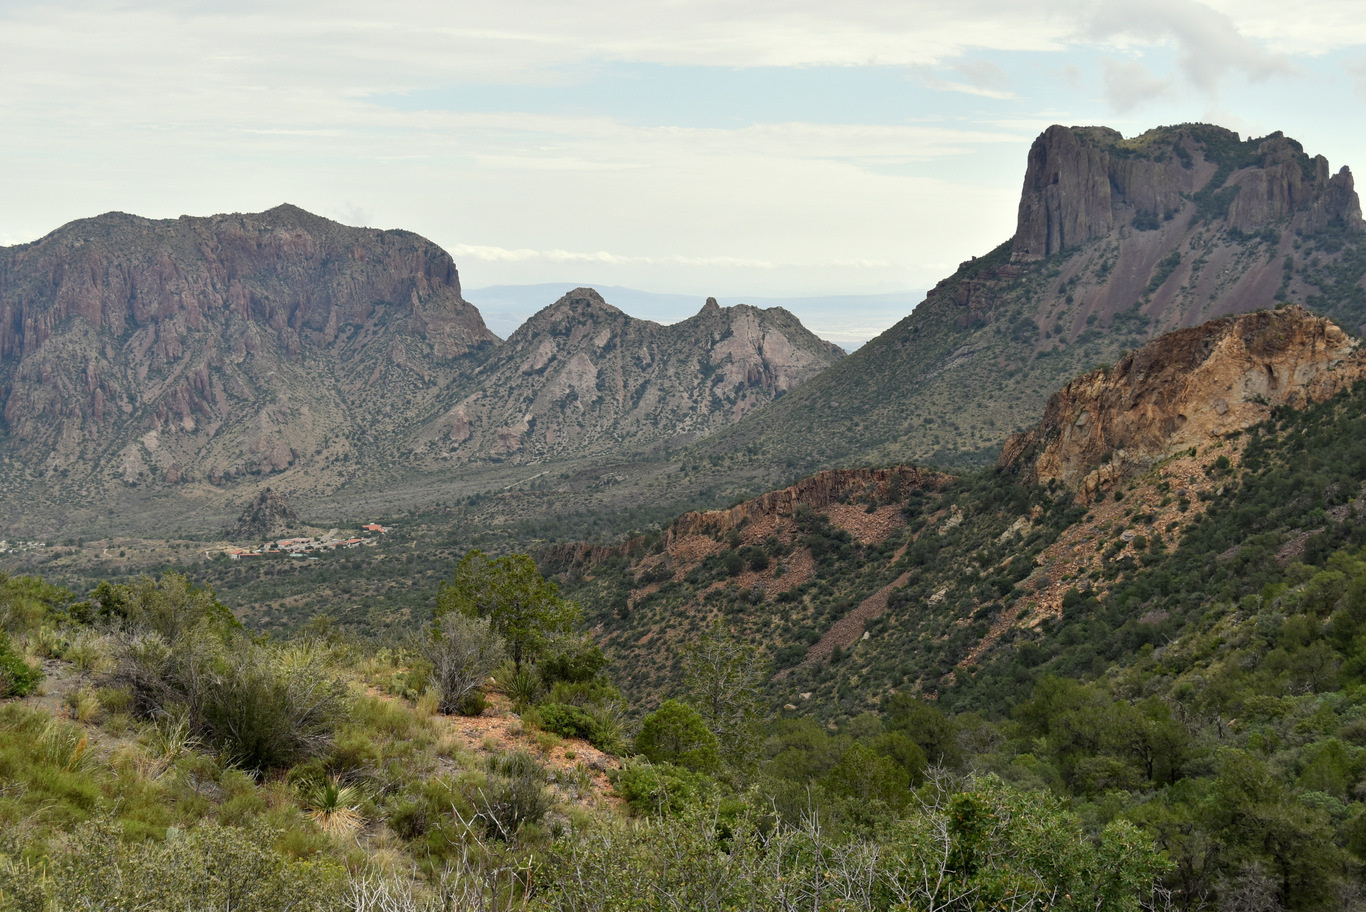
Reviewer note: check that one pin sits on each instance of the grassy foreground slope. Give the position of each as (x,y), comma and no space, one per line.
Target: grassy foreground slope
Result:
(154,756)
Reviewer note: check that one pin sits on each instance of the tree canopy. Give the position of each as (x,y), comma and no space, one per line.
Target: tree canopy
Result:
(522,607)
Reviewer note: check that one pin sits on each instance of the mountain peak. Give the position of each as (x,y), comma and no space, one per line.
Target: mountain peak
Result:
(578,306)
(1085,182)
(584,296)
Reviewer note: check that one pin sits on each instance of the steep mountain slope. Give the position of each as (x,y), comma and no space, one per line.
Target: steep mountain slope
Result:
(201,349)
(859,582)
(1117,241)
(581,378)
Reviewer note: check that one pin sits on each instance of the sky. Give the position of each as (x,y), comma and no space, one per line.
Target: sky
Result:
(745,148)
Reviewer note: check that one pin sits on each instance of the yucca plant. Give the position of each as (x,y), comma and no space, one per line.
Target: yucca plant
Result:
(522,686)
(334,807)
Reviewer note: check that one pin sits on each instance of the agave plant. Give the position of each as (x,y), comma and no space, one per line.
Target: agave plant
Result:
(334,807)
(522,686)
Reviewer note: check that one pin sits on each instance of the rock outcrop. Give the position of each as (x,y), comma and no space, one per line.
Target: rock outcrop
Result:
(836,486)
(267,516)
(851,489)
(1186,388)
(1084,182)
(1118,241)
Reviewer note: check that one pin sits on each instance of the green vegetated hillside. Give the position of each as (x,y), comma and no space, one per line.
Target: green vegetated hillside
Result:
(156,756)
(1186,731)
(1183,652)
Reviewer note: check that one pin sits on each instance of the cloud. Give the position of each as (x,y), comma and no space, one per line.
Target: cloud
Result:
(984,75)
(1308,27)
(1129,84)
(1209,44)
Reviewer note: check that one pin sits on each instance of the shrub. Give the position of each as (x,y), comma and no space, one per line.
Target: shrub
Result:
(567,721)
(17,677)
(269,712)
(577,664)
(515,795)
(676,733)
(170,606)
(25,601)
(659,789)
(521,685)
(334,807)
(208,867)
(263,708)
(463,651)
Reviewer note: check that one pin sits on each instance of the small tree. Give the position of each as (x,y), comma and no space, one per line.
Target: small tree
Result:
(463,651)
(522,607)
(675,733)
(725,678)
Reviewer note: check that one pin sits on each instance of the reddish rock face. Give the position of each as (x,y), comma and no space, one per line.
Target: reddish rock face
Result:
(1187,388)
(817,492)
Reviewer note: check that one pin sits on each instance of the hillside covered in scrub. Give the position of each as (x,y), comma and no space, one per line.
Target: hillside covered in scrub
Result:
(1167,632)
(1118,665)
(152,754)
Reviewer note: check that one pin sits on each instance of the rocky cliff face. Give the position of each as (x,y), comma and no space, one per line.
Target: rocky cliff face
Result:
(1187,388)
(582,377)
(188,360)
(200,349)
(1084,182)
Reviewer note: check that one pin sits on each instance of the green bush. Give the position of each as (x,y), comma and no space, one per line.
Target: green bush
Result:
(263,707)
(567,721)
(208,867)
(463,652)
(515,797)
(659,789)
(676,733)
(17,677)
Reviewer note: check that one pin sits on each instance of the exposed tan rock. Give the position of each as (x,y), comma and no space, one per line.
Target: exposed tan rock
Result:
(1186,388)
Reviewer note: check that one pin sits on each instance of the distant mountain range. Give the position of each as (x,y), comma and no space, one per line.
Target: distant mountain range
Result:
(155,371)
(206,355)
(847,320)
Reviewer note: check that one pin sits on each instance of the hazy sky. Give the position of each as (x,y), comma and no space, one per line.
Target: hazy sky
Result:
(695,146)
